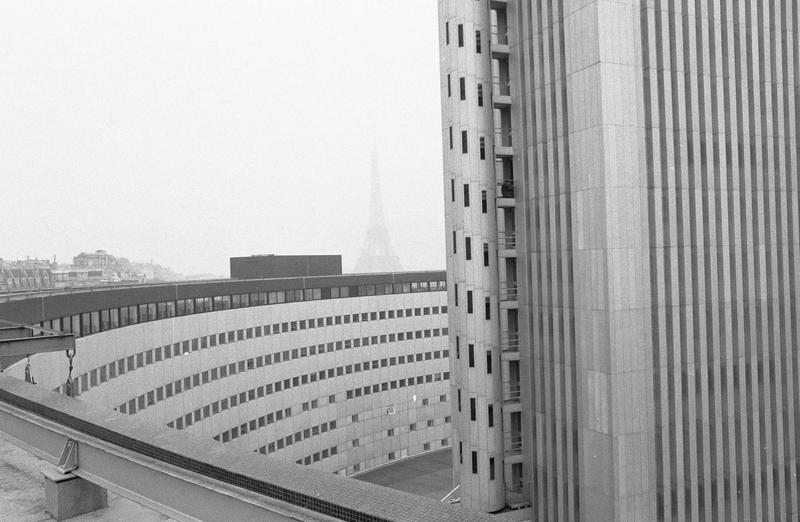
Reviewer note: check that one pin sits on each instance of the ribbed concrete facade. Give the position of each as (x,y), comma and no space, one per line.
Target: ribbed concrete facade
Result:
(654,163)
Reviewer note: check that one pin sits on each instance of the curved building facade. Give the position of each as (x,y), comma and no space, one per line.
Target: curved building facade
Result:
(478,228)
(343,373)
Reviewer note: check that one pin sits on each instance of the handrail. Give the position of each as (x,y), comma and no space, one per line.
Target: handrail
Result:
(509,342)
(511,392)
(508,291)
(506,241)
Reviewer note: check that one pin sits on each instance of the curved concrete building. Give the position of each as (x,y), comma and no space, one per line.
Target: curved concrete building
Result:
(343,373)
(478,228)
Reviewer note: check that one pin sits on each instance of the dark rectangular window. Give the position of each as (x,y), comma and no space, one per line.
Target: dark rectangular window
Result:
(491,468)
(490,415)
(466,194)
(487,306)
(471,354)
(460,452)
(459,400)
(486,254)
(452,189)
(462,88)
(478,42)
(469,301)
(473,414)
(461,35)
(450,130)
(464,144)
(482,147)
(455,293)
(484,202)
(455,247)
(489,362)
(468,248)
(449,92)
(458,347)
(447,33)
(474,462)
(480,95)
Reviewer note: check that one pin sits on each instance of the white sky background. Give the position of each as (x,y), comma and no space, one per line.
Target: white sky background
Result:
(191,131)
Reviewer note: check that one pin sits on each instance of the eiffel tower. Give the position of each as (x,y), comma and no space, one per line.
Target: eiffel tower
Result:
(377,255)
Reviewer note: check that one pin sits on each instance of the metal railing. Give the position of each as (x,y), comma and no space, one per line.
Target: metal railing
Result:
(509,342)
(513,443)
(498,37)
(506,241)
(511,392)
(508,291)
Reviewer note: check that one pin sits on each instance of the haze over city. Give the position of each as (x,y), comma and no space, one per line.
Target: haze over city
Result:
(189,132)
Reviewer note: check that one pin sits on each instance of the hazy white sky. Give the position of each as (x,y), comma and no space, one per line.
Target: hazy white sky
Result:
(190,131)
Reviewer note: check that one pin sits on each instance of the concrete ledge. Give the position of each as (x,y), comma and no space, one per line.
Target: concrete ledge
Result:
(67,495)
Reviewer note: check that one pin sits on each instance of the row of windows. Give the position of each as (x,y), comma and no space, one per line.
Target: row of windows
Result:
(317,456)
(471,355)
(96,376)
(393,455)
(164,392)
(462,89)
(278,415)
(465,142)
(484,198)
(460,35)
(260,391)
(487,302)
(88,323)
(475,461)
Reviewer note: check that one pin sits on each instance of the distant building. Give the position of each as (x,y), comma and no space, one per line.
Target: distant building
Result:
(28,274)
(98,259)
(272,266)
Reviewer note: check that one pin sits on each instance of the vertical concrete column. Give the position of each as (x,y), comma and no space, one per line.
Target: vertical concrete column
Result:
(469,176)
(68,495)
(611,263)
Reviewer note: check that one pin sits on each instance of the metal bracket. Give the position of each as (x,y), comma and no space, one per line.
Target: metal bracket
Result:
(68,461)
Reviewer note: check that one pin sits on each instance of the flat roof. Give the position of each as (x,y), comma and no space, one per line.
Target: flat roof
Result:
(428,475)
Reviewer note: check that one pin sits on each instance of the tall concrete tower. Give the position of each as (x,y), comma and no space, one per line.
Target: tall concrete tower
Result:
(377,255)
(626,347)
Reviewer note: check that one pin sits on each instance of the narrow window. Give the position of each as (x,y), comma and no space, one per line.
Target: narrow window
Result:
(455,293)
(449,93)
(491,468)
(461,35)
(460,452)
(488,362)
(455,247)
(464,148)
(468,248)
(452,189)
(486,254)
(469,301)
(447,33)
(471,355)
(473,415)
(462,87)
(474,462)
(487,306)
(480,93)
(451,137)
(482,142)
(478,42)
(466,194)
(458,347)
(490,415)
(484,202)
(459,400)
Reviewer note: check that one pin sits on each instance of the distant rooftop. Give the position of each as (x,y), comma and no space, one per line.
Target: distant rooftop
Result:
(274,266)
